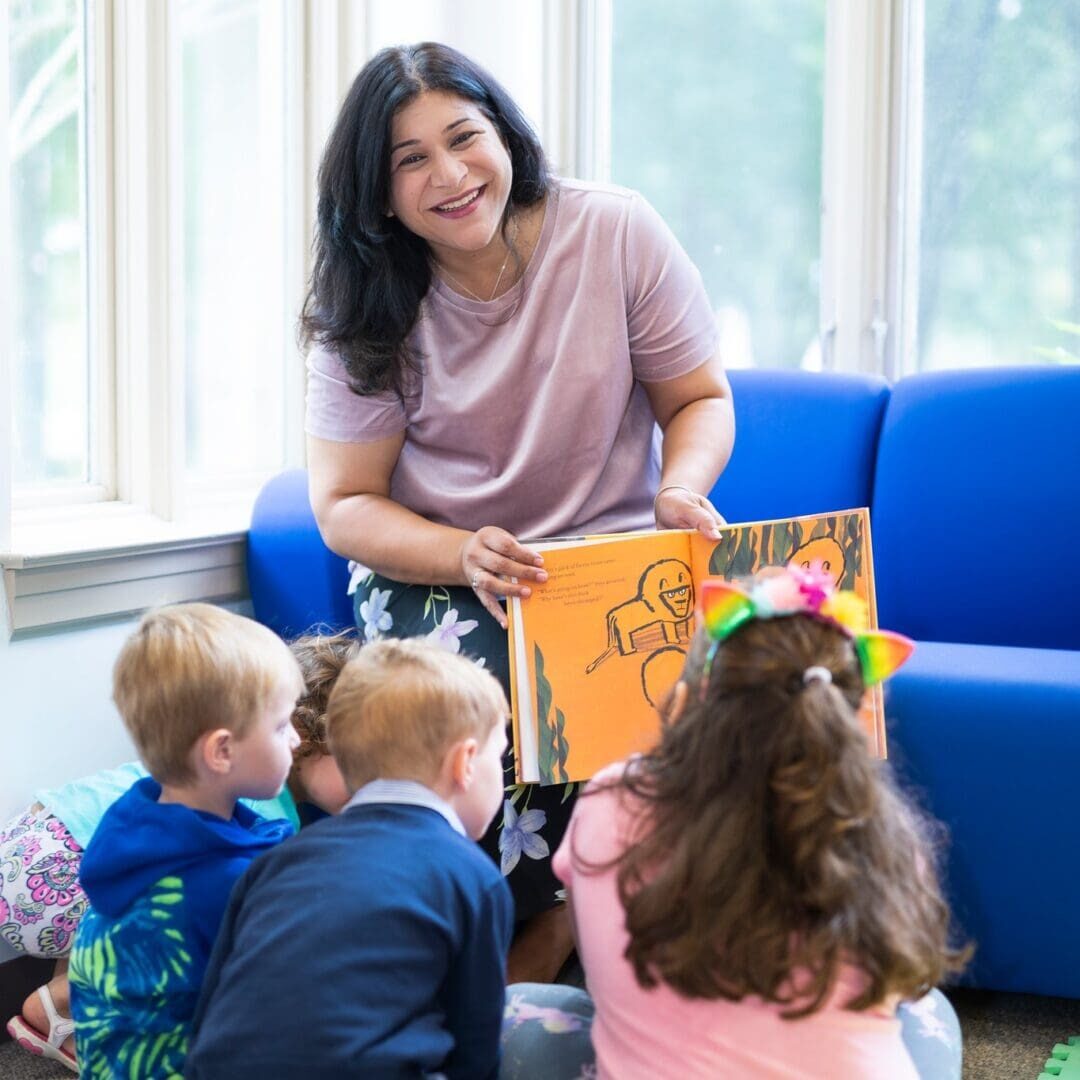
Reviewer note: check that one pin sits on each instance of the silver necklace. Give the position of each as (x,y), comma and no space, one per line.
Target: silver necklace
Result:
(502,269)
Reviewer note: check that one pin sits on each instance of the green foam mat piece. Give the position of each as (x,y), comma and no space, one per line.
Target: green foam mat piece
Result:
(1064,1061)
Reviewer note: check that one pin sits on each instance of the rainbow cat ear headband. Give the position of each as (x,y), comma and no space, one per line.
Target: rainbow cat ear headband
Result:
(795,589)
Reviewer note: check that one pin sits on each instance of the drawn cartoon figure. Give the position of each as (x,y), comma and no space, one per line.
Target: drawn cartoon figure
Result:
(659,615)
(826,553)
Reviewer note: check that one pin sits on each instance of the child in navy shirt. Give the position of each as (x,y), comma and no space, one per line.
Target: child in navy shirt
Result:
(374,943)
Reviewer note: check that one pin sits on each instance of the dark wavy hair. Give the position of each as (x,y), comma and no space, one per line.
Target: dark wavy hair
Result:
(370,273)
(321,658)
(772,843)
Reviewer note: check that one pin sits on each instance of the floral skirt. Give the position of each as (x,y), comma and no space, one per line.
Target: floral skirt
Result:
(547,1035)
(524,836)
(41,900)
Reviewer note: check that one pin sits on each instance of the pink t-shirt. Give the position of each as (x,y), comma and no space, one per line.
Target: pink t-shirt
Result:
(652,1034)
(531,414)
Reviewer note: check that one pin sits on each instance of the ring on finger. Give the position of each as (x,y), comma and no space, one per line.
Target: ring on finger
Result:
(475,583)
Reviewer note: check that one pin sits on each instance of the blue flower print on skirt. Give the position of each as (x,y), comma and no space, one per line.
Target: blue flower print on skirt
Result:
(521,835)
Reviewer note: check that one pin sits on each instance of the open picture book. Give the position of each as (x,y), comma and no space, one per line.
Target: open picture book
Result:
(595,649)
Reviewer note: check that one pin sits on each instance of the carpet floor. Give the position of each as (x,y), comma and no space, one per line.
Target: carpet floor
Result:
(1006,1037)
(1010,1036)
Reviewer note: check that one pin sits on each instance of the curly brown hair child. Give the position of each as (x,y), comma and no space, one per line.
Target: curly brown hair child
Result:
(755,895)
(315,777)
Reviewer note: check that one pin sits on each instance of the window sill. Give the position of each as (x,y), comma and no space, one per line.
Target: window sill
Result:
(113,559)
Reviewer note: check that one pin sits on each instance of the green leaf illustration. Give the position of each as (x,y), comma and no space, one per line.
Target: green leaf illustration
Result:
(742,562)
(720,559)
(545,733)
(782,545)
(562,746)
(852,552)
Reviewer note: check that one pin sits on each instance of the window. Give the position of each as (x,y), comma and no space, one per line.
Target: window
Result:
(54,450)
(716,117)
(234,320)
(998,252)
(156,208)
(900,181)
(155,195)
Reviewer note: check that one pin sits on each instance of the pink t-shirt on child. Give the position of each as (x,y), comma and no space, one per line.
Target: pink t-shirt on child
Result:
(643,1034)
(531,413)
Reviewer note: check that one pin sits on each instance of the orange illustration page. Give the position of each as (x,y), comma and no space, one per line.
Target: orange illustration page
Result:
(590,648)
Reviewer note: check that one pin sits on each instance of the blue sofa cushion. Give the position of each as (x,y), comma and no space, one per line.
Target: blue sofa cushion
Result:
(986,737)
(296,582)
(805,443)
(976,510)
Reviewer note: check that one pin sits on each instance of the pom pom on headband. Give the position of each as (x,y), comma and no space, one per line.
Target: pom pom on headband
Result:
(797,590)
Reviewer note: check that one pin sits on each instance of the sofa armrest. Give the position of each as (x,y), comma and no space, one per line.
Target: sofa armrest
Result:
(985,736)
(296,582)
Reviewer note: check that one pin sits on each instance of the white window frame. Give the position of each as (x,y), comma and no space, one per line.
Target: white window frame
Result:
(115,548)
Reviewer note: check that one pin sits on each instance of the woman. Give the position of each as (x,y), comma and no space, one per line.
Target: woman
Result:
(493,349)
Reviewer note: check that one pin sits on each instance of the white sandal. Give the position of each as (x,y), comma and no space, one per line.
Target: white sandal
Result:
(49,1045)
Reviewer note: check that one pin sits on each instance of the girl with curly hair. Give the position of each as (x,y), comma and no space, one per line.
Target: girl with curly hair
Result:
(755,896)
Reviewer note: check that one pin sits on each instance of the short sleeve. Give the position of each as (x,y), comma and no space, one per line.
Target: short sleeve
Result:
(591,824)
(669,319)
(337,414)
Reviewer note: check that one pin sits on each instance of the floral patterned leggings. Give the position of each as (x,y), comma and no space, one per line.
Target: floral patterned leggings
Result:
(546,1034)
(521,839)
(41,900)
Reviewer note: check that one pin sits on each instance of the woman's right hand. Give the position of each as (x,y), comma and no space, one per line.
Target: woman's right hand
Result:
(490,557)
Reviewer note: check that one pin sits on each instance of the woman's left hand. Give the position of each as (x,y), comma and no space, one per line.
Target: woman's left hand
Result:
(681,508)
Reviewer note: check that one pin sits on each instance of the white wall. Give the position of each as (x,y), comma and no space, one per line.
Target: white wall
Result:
(57,719)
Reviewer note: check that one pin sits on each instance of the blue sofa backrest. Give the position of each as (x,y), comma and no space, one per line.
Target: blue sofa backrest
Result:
(976,511)
(296,582)
(804,443)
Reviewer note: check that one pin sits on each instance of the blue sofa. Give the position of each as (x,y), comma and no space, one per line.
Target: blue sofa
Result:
(973,480)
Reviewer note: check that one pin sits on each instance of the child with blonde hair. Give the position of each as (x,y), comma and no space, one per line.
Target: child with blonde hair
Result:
(41,850)
(207,697)
(388,925)
(754,896)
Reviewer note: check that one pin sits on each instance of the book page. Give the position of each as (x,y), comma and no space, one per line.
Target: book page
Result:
(597,645)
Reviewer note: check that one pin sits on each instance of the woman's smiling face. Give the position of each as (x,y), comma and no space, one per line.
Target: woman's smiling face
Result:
(450,173)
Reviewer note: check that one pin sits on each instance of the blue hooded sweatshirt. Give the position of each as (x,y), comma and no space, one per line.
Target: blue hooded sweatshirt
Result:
(158,877)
